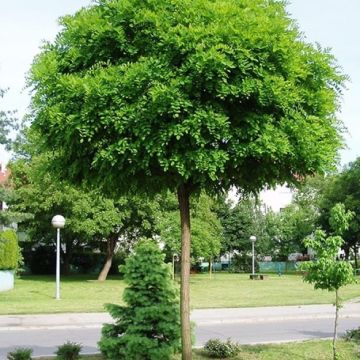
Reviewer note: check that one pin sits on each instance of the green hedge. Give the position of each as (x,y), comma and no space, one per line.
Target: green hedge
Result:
(9,250)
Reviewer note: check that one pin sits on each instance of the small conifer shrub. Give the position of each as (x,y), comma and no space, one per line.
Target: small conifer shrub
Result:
(148,328)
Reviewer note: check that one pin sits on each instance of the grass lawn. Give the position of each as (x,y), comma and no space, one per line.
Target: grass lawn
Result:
(308,350)
(35,294)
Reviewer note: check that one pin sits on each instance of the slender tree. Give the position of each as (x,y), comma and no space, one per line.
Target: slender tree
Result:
(327,272)
(185,95)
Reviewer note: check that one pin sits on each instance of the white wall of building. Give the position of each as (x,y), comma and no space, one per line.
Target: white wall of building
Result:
(276,199)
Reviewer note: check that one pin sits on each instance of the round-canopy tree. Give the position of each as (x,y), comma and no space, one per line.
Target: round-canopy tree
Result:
(185,95)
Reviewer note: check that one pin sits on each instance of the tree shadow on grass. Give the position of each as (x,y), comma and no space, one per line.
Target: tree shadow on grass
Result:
(68,278)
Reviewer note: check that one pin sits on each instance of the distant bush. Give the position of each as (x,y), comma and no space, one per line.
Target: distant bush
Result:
(20,354)
(242,263)
(353,335)
(216,348)
(10,255)
(68,351)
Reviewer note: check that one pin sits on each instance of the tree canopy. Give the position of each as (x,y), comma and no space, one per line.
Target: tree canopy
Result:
(7,122)
(209,93)
(343,187)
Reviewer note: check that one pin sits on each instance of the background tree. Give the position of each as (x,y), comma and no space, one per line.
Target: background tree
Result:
(206,229)
(148,326)
(89,216)
(185,95)
(287,229)
(327,272)
(7,123)
(344,187)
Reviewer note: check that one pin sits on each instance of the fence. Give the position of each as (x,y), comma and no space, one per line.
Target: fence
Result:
(279,266)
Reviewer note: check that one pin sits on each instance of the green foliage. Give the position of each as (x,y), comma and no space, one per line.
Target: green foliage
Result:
(239,223)
(205,93)
(243,263)
(185,95)
(68,351)
(340,218)
(216,348)
(326,272)
(7,123)
(90,216)
(353,335)
(206,228)
(20,354)
(343,188)
(39,192)
(148,327)
(10,216)
(10,255)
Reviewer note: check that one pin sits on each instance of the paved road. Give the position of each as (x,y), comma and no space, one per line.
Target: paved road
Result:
(248,326)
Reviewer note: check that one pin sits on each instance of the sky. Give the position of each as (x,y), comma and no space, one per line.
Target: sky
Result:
(24,24)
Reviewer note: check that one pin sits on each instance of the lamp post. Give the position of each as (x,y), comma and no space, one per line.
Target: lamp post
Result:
(58,222)
(253,239)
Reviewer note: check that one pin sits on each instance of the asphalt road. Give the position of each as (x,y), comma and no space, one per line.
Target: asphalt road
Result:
(44,333)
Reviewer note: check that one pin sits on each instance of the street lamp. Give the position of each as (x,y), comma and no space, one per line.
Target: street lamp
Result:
(58,222)
(253,239)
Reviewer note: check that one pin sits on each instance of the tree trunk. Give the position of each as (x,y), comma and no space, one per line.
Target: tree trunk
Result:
(67,257)
(110,247)
(210,268)
(355,256)
(184,206)
(337,307)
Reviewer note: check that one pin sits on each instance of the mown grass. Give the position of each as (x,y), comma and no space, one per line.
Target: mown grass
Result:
(307,350)
(35,294)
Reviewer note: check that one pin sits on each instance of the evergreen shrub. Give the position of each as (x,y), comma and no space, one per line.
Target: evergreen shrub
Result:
(148,328)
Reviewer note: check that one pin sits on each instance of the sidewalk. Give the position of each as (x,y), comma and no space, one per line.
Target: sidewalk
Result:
(199,316)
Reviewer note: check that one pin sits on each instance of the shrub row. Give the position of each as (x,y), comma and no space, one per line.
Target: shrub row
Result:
(67,351)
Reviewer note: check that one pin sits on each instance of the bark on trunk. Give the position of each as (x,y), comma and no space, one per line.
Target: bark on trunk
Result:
(110,248)
(337,307)
(355,256)
(184,206)
(67,257)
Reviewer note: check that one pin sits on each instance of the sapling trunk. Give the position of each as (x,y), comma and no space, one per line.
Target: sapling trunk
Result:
(184,206)
(337,307)
(210,268)
(355,256)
